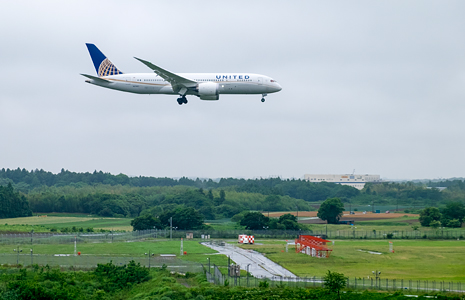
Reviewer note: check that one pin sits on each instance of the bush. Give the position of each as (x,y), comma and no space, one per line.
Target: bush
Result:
(112,277)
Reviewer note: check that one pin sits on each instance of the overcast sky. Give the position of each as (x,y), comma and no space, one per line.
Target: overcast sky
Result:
(375,86)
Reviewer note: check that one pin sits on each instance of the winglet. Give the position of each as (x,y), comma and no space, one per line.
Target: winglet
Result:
(102,64)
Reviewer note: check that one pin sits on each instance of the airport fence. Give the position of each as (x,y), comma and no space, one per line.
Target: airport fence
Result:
(91,261)
(217,277)
(33,238)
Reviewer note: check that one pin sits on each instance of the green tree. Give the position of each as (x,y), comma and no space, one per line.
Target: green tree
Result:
(254,220)
(429,215)
(453,211)
(288,221)
(334,282)
(12,204)
(435,224)
(331,210)
(222,197)
(146,222)
(184,218)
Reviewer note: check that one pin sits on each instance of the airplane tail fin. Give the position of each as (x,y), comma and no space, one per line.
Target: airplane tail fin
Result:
(103,65)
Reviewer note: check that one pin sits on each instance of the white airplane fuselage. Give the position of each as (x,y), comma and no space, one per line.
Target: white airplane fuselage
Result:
(228,83)
(206,86)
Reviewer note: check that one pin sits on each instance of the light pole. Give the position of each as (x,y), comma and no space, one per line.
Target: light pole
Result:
(31,258)
(248,275)
(171,228)
(149,254)
(17,250)
(208,264)
(377,276)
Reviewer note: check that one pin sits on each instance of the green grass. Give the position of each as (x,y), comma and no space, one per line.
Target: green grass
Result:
(381,225)
(44,224)
(194,250)
(412,259)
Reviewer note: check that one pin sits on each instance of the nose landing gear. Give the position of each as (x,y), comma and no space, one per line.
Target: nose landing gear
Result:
(263,97)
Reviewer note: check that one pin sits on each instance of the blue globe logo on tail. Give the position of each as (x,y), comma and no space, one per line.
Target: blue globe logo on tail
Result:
(106,68)
(102,64)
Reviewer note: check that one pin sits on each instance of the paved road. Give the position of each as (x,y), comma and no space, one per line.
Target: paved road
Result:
(260,266)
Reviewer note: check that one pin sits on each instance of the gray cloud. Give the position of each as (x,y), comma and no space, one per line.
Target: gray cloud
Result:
(372,86)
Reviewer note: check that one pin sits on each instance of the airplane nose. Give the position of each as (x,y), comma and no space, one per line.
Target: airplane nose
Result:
(278,87)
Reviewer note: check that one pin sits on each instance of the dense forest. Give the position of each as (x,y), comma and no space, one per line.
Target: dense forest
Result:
(105,194)
(12,204)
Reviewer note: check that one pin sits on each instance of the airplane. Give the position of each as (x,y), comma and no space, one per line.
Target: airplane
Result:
(206,86)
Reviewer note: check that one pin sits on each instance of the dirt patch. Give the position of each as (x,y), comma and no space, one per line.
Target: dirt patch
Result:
(358,216)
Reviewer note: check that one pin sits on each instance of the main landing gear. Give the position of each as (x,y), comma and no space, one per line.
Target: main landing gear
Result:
(182,100)
(263,97)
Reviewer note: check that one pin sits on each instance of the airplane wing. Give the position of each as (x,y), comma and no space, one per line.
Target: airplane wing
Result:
(98,79)
(178,82)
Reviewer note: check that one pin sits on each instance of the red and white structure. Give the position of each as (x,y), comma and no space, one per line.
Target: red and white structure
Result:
(246,239)
(312,245)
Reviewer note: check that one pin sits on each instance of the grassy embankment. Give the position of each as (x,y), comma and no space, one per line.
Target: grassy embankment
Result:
(43,223)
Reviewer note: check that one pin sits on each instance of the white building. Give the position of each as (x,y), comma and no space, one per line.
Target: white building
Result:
(356,181)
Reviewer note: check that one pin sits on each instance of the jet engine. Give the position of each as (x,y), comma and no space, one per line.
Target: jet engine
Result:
(208,91)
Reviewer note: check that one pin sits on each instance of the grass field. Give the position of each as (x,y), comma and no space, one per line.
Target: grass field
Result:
(46,222)
(412,259)
(194,250)
(415,260)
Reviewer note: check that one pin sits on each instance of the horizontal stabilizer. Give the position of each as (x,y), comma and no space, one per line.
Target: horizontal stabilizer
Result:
(97,79)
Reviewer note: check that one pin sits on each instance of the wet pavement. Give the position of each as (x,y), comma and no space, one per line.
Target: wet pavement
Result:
(259,265)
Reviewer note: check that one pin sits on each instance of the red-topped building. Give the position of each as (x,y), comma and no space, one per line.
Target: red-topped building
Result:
(312,245)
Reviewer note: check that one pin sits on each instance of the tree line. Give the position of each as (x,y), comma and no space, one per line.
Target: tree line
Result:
(119,195)
(383,193)
(451,215)
(12,204)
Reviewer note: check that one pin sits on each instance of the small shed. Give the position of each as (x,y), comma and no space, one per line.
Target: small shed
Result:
(312,245)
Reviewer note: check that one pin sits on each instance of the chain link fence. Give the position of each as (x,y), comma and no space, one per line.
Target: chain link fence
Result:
(91,261)
(108,237)
(215,276)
